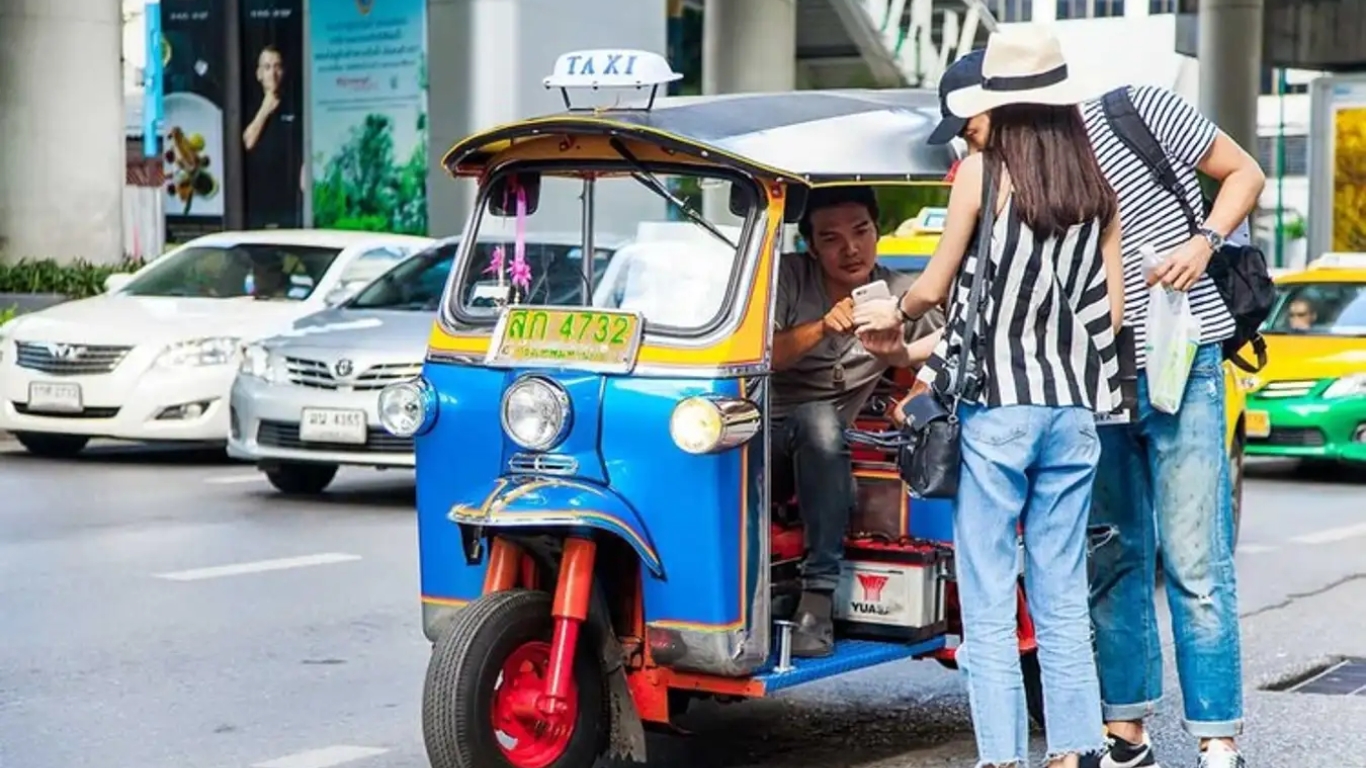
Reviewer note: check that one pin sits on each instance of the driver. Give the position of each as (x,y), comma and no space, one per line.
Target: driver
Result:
(823,376)
(1301,315)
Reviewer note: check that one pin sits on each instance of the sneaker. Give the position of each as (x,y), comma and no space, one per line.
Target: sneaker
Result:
(1220,755)
(1118,753)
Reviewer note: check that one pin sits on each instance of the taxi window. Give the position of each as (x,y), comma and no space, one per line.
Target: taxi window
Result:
(1323,309)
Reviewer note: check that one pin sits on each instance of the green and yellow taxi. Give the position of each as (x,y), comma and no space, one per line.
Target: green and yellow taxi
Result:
(1309,402)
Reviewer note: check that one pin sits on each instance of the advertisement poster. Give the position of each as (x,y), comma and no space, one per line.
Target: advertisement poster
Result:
(272,113)
(192,57)
(1349,178)
(368,118)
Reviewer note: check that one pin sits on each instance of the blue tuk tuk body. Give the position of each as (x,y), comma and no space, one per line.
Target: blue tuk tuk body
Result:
(598,539)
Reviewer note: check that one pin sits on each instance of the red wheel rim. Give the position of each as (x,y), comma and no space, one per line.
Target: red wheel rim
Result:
(527,738)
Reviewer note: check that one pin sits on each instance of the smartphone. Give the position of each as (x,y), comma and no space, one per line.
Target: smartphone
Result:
(877,290)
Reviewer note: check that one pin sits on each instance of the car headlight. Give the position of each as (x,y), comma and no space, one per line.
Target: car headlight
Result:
(408,408)
(200,352)
(536,413)
(711,424)
(257,362)
(1352,385)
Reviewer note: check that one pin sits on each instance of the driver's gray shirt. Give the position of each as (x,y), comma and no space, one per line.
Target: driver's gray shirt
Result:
(802,299)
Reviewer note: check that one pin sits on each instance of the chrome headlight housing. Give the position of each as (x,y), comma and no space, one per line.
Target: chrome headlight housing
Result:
(1351,385)
(408,408)
(536,413)
(712,424)
(257,362)
(200,352)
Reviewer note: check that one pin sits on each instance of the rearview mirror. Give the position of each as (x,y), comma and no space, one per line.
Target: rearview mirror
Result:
(117,282)
(503,193)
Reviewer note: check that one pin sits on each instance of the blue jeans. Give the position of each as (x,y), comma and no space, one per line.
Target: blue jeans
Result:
(1164,481)
(1035,464)
(812,455)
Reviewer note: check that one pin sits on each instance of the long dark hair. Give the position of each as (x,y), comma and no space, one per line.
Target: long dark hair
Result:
(1057,181)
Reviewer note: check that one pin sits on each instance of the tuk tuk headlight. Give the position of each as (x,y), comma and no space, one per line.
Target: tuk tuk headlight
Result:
(712,424)
(408,408)
(1352,385)
(536,413)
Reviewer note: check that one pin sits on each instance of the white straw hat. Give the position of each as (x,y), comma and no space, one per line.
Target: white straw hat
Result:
(1023,65)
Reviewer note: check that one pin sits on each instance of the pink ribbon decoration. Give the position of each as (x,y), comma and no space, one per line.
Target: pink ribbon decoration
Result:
(520,272)
(495,266)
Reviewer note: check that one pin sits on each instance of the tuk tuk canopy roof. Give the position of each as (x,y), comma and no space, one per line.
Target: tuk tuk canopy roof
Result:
(817,136)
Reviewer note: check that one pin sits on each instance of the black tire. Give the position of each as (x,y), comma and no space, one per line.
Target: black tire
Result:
(463,676)
(51,446)
(1033,686)
(301,479)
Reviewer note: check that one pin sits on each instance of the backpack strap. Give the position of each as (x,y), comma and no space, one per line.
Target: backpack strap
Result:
(1133,132)
(1258,348)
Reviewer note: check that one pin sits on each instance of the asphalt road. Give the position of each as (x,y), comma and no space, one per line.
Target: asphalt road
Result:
(300,646)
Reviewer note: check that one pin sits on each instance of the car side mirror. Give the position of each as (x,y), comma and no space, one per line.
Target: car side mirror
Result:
(117,282)
(338,295)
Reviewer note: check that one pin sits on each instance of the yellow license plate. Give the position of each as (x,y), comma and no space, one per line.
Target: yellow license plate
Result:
(1257,423)
(590,338)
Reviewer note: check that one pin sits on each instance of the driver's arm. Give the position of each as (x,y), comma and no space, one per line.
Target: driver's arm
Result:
(791,341)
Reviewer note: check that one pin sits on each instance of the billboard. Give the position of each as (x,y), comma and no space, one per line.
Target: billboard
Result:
(1337,165)
(368,114)
(272,133)
(192,55)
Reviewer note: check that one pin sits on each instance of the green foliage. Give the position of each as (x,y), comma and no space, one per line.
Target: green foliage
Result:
(76,280)
(364,187)
(1295,229)
(8,313)
(896,204)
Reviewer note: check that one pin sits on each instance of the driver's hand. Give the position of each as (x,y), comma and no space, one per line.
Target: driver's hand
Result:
(839,321)
(878,314)
(882,343)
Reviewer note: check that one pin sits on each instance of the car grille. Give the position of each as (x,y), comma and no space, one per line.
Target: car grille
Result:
(69,359)
(542,464)
(1281,389)
(1293,437)
(85,413)
(280,434)
(316,374)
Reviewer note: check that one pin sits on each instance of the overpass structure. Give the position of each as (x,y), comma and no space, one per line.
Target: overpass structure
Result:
(62,160)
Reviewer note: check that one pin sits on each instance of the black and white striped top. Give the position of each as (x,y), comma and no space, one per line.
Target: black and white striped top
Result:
(1045,333)
(1150,214)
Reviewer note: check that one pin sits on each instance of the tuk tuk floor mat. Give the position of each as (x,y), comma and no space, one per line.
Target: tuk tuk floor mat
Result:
(1342,677)
(849,655)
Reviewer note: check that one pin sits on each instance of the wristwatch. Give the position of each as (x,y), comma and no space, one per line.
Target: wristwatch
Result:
(901,308)
(1215,240)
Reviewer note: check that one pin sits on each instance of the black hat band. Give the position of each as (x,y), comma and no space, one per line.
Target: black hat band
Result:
(1025,82)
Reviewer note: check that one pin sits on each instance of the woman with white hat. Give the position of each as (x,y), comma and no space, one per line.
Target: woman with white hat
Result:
(1041,361)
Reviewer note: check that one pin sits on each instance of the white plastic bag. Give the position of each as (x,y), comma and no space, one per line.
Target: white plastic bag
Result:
(1173,337)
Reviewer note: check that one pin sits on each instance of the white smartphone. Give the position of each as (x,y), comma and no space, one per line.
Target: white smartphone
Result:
(877,290)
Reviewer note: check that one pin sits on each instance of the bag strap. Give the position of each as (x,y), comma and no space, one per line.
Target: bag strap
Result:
(1133,132)
(1258,348)
(976,294)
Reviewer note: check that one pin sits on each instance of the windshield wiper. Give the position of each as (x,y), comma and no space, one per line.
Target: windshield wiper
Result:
(652,182)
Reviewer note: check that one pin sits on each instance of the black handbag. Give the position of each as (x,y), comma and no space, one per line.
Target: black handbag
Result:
(930,456)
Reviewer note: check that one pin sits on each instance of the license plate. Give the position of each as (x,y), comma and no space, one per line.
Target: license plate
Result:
(605,340)
(54,398)
(321,425)
(1257,423)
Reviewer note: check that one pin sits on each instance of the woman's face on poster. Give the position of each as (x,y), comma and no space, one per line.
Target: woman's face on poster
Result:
(270,70)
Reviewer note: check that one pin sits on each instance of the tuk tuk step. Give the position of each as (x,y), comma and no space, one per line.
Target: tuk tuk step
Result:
(849,655)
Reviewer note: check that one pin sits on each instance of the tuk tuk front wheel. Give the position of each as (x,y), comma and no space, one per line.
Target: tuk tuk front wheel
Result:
(483,682)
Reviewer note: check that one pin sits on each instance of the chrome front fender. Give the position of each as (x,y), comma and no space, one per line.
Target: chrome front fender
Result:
(530,501)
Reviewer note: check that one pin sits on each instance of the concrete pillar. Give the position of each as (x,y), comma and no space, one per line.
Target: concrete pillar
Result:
(62,123)
(1230,52)
(748,46)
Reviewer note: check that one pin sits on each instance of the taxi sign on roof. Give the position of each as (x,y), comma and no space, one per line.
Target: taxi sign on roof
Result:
(611,68)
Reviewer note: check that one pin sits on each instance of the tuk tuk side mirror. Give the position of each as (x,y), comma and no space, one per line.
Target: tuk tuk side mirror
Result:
(741,200)
(796,203)
(502,194)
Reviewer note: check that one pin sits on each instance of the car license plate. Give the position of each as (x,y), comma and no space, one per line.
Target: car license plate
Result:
(54,398)
(321,425)
(1257,423)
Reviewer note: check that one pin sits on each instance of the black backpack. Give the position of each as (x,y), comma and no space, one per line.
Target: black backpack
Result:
(1239,272)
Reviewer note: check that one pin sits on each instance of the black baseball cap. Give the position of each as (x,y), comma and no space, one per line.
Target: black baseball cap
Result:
(964,73)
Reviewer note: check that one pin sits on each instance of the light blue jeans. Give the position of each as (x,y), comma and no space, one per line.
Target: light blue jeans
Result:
(1164,479)
(1037,465)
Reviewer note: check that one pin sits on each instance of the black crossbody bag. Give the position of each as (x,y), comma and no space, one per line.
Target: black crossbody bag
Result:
(930,455)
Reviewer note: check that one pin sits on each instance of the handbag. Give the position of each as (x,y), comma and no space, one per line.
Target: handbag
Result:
(930,455)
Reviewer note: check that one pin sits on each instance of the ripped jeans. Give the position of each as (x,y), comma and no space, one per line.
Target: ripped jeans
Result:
(1038,464)
(1164,481)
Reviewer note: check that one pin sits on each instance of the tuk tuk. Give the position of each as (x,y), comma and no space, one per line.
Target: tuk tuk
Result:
(599,541)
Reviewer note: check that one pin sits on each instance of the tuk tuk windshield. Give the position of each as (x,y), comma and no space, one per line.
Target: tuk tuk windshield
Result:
(670,262)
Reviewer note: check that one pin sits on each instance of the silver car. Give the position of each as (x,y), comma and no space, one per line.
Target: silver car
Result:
(304,403)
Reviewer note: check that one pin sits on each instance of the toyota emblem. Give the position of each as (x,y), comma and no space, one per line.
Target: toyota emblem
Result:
(343,368)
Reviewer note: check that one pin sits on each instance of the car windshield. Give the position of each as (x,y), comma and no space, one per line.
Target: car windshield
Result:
(1320,309)
(259,270)
(673,251)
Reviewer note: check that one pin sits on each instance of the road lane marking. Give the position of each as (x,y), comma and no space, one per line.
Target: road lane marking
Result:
(258,566)
(254,477)
(1332,534)
(322,758)
(1255,549)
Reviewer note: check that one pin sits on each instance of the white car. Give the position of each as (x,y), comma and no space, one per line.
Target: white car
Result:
(153,359)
